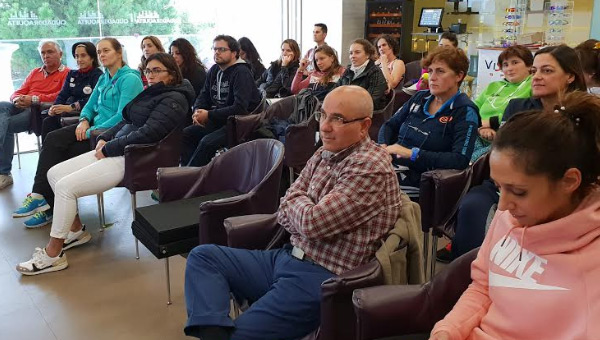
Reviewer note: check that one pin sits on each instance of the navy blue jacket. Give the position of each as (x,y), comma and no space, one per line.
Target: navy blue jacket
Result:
(149,117)
(444,140)
(519,105)
(227,93)
(78,87)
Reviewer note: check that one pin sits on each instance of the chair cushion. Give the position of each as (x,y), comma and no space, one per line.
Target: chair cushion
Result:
(171,228)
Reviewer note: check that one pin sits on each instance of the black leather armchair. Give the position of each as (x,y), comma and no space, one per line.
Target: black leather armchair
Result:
(300,142)
(387,311)
(253,169)
(440,195)
(382,116)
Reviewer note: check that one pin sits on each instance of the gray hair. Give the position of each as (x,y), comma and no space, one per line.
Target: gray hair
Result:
(53,42)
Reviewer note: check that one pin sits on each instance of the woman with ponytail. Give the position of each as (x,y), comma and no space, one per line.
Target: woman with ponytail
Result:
(536,274)
(589,55)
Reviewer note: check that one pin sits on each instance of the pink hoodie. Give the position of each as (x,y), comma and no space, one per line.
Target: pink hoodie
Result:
(548,289)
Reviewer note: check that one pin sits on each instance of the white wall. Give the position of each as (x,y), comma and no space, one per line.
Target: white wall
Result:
(328,12)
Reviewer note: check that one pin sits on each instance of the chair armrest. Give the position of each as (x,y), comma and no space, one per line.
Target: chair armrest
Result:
(386,311)
(94,134)
(66,121)
(251,231)
(174,183)
(240,127)
(300,143)
(337,313)
(213,214)
(440,194)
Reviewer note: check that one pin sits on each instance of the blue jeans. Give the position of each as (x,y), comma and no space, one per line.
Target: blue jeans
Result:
(285,292)
(12,120)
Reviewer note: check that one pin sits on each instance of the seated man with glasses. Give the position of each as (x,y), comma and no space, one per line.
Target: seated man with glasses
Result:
(437,128)
(228,90)
(345,200)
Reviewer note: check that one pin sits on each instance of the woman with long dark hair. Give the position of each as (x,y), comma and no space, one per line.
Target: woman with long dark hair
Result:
(326,72)
(190,65)
(277,80)
(149,45)
(250,55)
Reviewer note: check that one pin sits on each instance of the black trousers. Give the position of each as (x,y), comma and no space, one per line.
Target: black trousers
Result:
(58,146)
(49,124)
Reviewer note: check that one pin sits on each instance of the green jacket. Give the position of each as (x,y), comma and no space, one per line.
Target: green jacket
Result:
(105,106)
(495,97)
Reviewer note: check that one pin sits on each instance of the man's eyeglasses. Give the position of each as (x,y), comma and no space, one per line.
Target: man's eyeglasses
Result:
(335,119)
(221,49)
(156,71)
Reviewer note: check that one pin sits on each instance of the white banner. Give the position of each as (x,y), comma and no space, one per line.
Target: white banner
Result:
(488,69)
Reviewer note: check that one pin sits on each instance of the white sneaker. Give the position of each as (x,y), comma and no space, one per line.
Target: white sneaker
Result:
(5,180)
(41,263)
(77,239)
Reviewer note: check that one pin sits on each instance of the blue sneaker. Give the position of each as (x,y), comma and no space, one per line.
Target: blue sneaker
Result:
(31,206)
(39,219)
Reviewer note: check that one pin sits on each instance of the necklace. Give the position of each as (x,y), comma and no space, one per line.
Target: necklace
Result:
(493,98)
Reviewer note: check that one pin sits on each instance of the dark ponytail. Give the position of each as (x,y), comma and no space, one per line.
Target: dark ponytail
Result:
(552,141)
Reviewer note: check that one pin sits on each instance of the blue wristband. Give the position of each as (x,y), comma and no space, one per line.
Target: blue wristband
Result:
(414,154)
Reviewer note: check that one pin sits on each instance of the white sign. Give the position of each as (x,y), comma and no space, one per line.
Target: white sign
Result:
(488,69)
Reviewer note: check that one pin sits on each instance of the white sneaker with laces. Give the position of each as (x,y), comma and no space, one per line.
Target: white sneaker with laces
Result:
(41,263)
(5,180)
(77,238)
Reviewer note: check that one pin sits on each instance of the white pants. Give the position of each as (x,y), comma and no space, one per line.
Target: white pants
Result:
(77,177)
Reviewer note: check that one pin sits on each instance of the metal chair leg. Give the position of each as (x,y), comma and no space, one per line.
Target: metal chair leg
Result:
(433,256)
(39,142)
(291,175)
(133,206)
(168,281)
(18,149)
(100,198)
(425,252)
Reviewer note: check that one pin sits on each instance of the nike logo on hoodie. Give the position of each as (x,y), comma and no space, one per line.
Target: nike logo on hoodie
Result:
(518,262)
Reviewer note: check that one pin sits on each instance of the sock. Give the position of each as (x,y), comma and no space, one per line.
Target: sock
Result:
(37,196)
(214,333)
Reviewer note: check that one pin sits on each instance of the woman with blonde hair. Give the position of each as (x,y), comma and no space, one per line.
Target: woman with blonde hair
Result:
(326,72)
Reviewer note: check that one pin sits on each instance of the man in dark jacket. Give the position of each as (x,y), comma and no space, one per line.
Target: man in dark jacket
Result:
(228,90)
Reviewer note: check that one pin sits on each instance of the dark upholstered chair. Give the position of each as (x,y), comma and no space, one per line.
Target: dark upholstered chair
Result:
(337,314)
(252,169)
(141,163)
(440,195)
(382,116)
(300,139)
(412,73)
(387,311)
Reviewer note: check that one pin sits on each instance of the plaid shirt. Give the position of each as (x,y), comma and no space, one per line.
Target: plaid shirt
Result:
(342,205)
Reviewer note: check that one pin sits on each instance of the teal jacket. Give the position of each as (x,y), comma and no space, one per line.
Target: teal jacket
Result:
(105,106)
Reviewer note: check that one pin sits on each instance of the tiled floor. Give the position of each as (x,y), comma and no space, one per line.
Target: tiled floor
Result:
(104,294)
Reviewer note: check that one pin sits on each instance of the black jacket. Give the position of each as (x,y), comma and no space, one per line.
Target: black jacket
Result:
(197,76)
(78,87)
(277,80)
(227,93)
(149,117)
(519,105)
(371,79)
(444,140)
